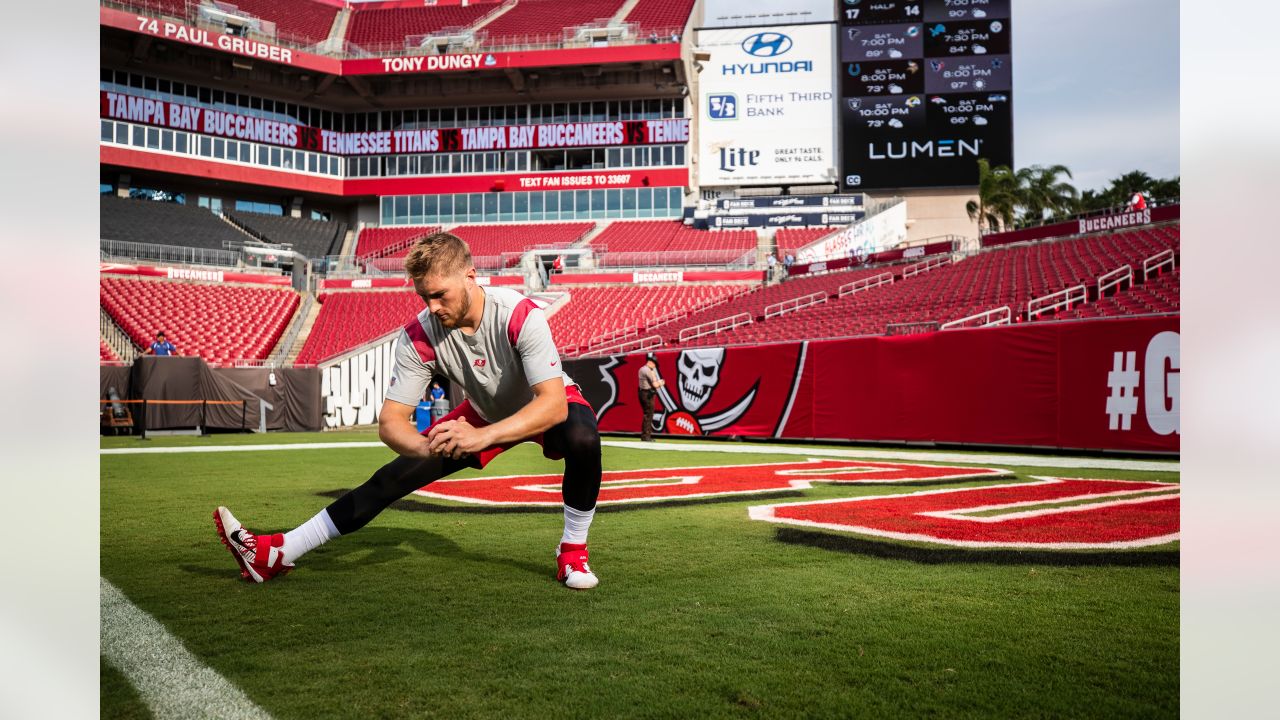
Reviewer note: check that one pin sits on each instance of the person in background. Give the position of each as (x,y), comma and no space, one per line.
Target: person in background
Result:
(649,384)
(437,392)
(160,347)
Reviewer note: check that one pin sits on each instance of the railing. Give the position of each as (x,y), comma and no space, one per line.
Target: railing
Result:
(612,336)
(565,38)
(730,259)
(911,328)
(850,288)
(932,263)
(990,318)
(1063,299)
(247,363)
(1114,209)
(787,306)
(1114,279)
(176,254)
(644,343)
(286,345)
(116,338)
(268,33)
(1157,261)
(715,326)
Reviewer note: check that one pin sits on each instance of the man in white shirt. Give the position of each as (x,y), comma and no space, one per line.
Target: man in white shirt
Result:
(496,344)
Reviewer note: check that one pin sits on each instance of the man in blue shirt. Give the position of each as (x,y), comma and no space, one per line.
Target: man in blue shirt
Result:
(161,346)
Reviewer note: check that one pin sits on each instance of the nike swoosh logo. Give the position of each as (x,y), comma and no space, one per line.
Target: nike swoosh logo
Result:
(554,364)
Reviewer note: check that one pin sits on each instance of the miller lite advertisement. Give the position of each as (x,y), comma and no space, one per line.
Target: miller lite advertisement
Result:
(766,103)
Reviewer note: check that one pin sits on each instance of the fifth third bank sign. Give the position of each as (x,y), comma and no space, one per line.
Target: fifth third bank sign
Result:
(767,100)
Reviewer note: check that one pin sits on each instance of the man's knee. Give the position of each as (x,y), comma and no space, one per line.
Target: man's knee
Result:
(582,441)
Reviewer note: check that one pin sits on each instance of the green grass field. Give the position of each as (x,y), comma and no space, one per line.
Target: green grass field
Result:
(437,609)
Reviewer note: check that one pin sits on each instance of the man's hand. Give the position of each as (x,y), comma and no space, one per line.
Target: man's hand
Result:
(456,439)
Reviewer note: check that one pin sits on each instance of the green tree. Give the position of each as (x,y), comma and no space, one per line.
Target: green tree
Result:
(1042,190)
(997,197)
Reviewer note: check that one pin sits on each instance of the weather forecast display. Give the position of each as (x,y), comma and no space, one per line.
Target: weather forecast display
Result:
(925,90)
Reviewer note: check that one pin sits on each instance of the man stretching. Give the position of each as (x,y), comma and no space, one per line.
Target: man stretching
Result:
(497,345)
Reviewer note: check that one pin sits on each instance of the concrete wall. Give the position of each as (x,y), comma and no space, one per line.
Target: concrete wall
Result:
(937,211)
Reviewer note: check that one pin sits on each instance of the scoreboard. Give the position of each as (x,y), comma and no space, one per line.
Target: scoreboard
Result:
(925,90)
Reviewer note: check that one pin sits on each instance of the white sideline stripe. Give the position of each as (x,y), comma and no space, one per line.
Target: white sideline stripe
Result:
(968,459)
(171,681)
(239,448)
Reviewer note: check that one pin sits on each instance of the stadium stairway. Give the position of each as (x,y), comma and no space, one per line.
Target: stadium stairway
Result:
(338,32)
(624,11)
(506,8)
(115,338)
(287,350)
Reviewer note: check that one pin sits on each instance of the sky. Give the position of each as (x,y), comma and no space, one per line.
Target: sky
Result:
(1095,87)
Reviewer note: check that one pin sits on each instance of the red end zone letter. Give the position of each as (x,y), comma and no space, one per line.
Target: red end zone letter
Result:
(1128,514)
(630,486)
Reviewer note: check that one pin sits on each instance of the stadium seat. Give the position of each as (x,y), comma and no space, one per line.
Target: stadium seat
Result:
(660,17)
(298,20)
(1001,276)
(164,223)
(216,322)
(375,28)
(596,312)
(312,238)
(544,21)
(670,242)
(348,319)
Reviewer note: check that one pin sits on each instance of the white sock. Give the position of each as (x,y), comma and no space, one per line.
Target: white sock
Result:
(308,536)
(576,524)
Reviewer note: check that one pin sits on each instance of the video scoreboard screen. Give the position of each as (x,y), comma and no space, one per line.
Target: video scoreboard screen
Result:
(925,90)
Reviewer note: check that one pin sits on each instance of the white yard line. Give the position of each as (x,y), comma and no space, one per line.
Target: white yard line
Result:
(240,448)
(1047,461)
(942,457)
(170,680)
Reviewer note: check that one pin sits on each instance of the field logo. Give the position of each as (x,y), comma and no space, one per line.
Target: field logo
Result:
(670,484)
(1052,514)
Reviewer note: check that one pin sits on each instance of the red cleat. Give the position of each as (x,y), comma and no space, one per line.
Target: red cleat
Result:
(261,557)
(572,568)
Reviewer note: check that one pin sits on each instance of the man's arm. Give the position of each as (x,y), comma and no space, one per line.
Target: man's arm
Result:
(547,409)
(397,431)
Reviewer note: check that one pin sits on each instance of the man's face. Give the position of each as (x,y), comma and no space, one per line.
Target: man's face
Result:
(446,296)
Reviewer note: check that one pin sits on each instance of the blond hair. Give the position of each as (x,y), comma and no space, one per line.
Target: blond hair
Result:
(439,253)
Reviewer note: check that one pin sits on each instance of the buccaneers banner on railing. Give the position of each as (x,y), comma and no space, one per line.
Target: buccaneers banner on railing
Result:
(658,276)
(218,123)
(212,275)
(405,282)
(1080,226)
(1102,384)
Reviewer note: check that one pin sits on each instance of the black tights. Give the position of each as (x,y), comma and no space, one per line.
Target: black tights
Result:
(577,439)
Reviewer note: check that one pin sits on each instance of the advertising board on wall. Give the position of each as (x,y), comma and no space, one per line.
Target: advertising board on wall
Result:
(877,233)
(766,105)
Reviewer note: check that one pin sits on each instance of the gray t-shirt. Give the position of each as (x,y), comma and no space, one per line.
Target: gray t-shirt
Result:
(511,351)
(648,378)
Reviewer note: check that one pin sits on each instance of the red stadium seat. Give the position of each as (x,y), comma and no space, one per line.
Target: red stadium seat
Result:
(216,322)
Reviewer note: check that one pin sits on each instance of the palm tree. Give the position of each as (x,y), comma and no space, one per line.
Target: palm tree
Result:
(1041,190)
(997,197)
